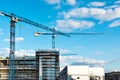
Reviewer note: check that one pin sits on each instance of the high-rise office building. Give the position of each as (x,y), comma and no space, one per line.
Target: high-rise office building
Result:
(47,64)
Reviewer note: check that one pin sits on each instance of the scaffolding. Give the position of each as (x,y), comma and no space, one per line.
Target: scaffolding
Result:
(25,68)
(49,60)
(43,66)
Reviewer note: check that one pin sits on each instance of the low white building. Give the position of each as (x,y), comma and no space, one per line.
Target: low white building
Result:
(82,73)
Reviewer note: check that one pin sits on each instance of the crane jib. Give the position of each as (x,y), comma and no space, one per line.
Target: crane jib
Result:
(22,19)
(14,18)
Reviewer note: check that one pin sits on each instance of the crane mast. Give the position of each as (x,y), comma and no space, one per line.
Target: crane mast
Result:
(12,49)
(14,19)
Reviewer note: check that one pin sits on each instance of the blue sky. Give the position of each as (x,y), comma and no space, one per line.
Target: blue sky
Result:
(67,16)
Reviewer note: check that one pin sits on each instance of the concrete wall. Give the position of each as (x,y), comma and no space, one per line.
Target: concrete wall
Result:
(82,73)
(97,72)
(78,72)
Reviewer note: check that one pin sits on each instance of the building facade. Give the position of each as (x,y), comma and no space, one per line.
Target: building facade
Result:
(25,68)
(82,73)
(43,66)
(3,69)
(112,75)
(47,64)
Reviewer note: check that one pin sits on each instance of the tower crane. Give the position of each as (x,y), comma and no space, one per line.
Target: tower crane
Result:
(14,19)
(54,35)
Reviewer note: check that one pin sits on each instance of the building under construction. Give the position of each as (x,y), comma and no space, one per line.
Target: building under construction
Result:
(43,66)
(25,68)
(50,64)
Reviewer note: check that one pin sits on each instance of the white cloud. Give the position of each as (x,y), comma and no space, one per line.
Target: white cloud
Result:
(71,2)
(117,2)
(63,50)
(70,24)
(17,39)
(56,3)
(4,52)
(115,23)
(112,7)
(53,1)
(97,4)
(117,60)
(95,13)
(19,53)
(78,60)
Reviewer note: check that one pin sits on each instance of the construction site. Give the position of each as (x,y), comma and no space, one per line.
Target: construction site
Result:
(43,66)
(24,68)
(59,39)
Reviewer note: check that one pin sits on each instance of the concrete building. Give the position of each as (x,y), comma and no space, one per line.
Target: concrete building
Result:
(3,69)
(112,75)
(43,66)
(25,68)
(48,64)
(82,73)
